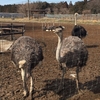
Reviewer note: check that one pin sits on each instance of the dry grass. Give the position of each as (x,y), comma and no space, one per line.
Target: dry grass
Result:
(48,76)
(50,20)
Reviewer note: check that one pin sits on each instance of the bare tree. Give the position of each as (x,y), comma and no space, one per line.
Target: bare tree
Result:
(23,8)
(94,6)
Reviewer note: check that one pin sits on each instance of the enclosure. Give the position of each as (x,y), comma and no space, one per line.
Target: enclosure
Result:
(48,75)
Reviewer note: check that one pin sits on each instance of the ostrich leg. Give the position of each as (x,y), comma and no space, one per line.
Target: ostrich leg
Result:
(63,68)
(31,85)
(23,74)
(77,78)
(63,71)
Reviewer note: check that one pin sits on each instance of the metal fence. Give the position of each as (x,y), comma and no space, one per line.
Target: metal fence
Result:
(57,16)
(71,16)
(11,15)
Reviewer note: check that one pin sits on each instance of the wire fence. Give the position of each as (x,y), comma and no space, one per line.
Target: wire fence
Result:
(70,16)
(11,15)
(56,16)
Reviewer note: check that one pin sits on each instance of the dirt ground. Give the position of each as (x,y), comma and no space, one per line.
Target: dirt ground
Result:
(47,76)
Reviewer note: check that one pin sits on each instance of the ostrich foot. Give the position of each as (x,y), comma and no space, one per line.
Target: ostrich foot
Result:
(31,93)
(80,91)
(25,93)
(60,87)
(13,63)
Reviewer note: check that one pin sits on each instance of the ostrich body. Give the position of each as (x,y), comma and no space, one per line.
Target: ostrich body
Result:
(26,54)
(78,30)
(71,52)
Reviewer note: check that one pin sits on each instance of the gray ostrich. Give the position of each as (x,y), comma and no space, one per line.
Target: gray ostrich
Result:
(78,30)
(26,53)
(71,52)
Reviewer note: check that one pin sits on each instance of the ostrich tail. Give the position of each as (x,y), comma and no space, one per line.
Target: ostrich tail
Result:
(21,63)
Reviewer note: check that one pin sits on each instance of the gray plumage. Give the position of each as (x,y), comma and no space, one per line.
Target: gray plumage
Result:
(28,49)
(71,52)
(26,53)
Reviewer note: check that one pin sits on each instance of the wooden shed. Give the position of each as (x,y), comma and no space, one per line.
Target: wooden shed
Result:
(38,13)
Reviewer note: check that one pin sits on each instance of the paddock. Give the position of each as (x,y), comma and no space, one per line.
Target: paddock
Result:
(48,75)
(11,29)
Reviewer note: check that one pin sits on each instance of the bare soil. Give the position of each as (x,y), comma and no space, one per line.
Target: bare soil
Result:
(47,76)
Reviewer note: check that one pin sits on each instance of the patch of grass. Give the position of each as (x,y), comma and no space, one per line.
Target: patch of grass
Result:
(49,20)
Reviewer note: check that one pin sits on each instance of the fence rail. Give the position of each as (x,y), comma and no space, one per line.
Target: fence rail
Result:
(71,16)
(68,16)
(12,29)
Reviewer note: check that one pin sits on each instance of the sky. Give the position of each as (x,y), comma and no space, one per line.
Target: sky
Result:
(6,2)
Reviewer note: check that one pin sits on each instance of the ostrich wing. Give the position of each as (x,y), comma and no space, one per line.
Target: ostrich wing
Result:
(73,52)
(79,31)
(26,48)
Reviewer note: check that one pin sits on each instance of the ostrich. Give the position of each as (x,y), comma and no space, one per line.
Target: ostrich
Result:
(57,27)
(52,28)
(78,30)
(71,52)
(48,27)
(26,53)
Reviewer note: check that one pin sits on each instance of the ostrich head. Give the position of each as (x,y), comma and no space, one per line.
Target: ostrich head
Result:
(58,32)
(59,29)
(76,14)
(62,27)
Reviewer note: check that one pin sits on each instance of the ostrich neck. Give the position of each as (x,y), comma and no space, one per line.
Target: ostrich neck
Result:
(75,19)
(58,48)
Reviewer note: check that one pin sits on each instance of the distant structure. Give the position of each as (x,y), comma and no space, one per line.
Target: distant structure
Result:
(37,13)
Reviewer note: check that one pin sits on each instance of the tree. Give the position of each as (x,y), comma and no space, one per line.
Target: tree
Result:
(78,7)
(70,4)
(94,6)
(22,8)
(9,8)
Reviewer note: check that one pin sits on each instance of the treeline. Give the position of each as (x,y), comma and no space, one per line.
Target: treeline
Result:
(9,8)
(82,7)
